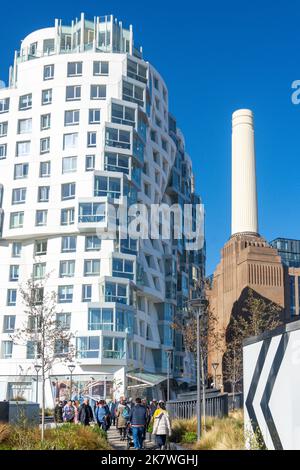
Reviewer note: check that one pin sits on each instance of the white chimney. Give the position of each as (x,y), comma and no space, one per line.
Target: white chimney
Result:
(244,197)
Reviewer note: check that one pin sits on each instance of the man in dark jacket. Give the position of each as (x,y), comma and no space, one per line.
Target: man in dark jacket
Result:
(85,415)
(138,421)
(58,412)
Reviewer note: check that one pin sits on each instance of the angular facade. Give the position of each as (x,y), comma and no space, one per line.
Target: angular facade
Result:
(84,125)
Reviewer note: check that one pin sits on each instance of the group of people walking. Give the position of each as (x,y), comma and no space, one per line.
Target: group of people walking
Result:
(131,418)
(136,417)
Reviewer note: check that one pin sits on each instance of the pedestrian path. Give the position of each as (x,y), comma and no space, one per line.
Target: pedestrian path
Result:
(113,437)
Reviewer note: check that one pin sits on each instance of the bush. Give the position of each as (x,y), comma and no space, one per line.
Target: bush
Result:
(189,437)
(221,433)
(65,437)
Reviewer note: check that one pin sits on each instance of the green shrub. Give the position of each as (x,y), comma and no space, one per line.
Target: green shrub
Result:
(189,437)
(65,437)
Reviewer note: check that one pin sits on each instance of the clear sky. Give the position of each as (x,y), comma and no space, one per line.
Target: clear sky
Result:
(215,57)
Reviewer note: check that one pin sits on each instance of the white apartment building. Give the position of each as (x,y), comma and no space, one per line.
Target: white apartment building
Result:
(85,122)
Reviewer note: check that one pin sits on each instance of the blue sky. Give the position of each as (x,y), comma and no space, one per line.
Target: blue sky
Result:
(215,57)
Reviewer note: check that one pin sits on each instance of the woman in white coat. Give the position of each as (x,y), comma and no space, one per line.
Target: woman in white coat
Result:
(161,425)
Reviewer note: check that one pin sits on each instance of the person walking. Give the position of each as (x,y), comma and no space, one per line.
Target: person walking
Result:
(138,421)
(102,415)
(76,411)
(161,425)
(69,412)
(85,413)
(58,412)
(122,416)
(112,409)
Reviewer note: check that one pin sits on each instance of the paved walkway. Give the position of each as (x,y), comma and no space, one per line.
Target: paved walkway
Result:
(114,440)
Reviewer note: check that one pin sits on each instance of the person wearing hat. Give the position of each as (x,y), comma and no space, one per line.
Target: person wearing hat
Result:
(161,425)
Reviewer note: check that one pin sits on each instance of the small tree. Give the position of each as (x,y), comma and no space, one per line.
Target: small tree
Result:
(256,317)
(50,340)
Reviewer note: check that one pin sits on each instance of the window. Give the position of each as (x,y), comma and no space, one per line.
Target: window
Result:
(21,170)
(24,126)
(122,268)
(107,186)
(23,148)
(164,145)
(70,140)
(16,219)
(16,249)
(45,145)
(4,105)
(94,116)
(68,244)
(69,164)
(45,169)
(9,322)
(25,102)
(63,320)
(46,97)
(67,268)
(61,347)
(33,48)
(116,162)
(11,297)
(122,114)
(73,93)
(100,67)
(89,162)
(48,46)
(65,294)
(40,247)
(136,71)
(113,348)
(67,216)
(45,121)
(48,72)
(3,151)
(74,69)
(33,349)
(86,292)
(18,195)
(101,319)
(92,243)
(6,349)
(39,270)
(91,212)
(115,292)
(91,267)
(91,139)
(98,92)
(14,273)
(88,347)
(43,193)
(68,191)
(117,138)
(41,218)
(3,129)
(133,93)
(72,117)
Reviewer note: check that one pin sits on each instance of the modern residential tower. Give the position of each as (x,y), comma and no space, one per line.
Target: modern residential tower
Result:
(85,123)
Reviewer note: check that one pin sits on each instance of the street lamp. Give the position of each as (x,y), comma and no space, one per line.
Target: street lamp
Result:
(37,369)
(71,368)
(169,355)
(215,365)
(199,303)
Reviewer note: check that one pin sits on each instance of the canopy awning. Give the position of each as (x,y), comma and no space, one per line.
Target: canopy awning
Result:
(145,379)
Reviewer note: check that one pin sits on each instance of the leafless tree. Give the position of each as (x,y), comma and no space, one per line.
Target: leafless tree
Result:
(256,317)
(49,338)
